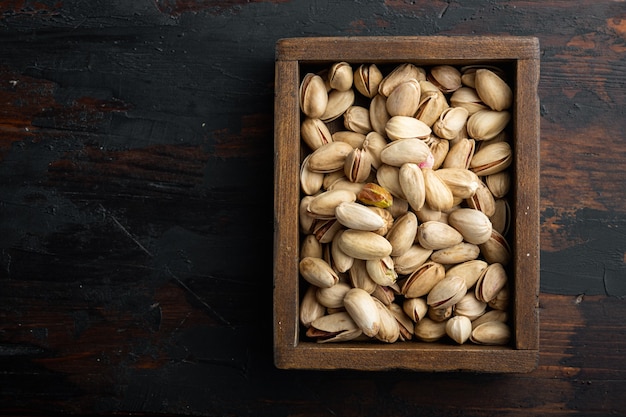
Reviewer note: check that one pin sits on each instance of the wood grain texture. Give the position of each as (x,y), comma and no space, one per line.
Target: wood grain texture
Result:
(136,209)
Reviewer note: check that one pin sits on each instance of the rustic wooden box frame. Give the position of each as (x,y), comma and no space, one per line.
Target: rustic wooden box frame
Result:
(519,53)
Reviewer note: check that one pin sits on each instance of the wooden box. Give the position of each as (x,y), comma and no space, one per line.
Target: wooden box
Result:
(520,58)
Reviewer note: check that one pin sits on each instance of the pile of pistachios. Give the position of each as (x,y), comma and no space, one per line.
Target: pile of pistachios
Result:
(404,214)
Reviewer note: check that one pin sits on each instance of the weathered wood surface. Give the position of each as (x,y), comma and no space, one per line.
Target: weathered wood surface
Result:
(136,210)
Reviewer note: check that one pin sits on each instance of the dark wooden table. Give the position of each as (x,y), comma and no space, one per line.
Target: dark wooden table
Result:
(136,163)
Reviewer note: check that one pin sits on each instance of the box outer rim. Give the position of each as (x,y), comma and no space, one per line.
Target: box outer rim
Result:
(288,350)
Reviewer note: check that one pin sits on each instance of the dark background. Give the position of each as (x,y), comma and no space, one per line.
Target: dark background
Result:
(136,203)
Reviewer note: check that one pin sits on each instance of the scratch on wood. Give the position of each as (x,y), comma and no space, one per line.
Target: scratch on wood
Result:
(126,232)
(445,9)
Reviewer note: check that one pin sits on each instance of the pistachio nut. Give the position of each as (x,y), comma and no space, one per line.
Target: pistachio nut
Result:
(325,230)
(388,177)
(345,184)
(323,205)
(340,76)
(496,249)
(470,307)
(405,127)
(338,103)
(401,73)
(373,194)
(420,282)
(307,221)
(447,292)
(461,252)
(310,246)
(313,96)
(432,103)
(492,158)
(426,214)
(467,98)
(487,124)
(405,323)
(411,181)
(310,308)
(473,224)
(355,139)
(440,314)
(439,149)
(388,329)
(491,315)
(310,182)
(364,245)
(386,216)
(482,200)
(446,77)
(493,90)
(404,151)
(461,182)
(491,281)
(459,328)
(402,234)
(460,154)
(499,183)
(501,218)
(491,333)
(318,272)
(329,157)
(357,165)
(501,300)
(450,122)
(384,294)
(381,270)
(362,308)
(404,99)
(341,262)
(470,271)
(437,235)
(379,116)
(415,308)
(332,297)
(360,278)
(315,133)
(399,207)
(468,73)
(438,194)
(373,145)
(428,330)
(357,119)
(367,77)
(336,327)
(411,259)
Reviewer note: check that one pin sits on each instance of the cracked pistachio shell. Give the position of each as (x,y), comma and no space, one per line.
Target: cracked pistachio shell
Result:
(501,218)
(318,272)
(373,145)
(492,158)
(428,330)
(313,96)
(440,314)
(404,99)
(447,292)
(357,119)
(353,138)
(438,194)
(402,234)
(491,315)
(470,271)
(325,230)
(459,329)
(388,329)
(336,327)
(491,333)
(315,133)
(340,76)
(450,122)
(310,182)
(357,165)
(436,235)
(411,259)
(310,246)
(360,278)
(501,300)
(439,149)
(310,308)
(338,103)
(461,252)
(496,249)
(378,114)
(432,103)
(332,297)
(367,77)
(323,205)
(358,217)
(329,157)
(415,308)
(364,245)
(405,323)
(411,181)
(423,279)
(473,224)
(385,294)
(306,219)
(467,98)
(386,216)
(341,262)
(405,127)
(493,90)
(404,151)
(460,154)
(468,73)
(491,281)
(401,73)
(482,200)
(470,307)
(461,182)
(388,177)
(360,305)
(382,270)
(446,77)
(373,194)
(487,124)
(499,183)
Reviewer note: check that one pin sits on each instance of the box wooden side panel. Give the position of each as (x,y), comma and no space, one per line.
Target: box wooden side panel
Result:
(527,205)
(408,48)
(286,189)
